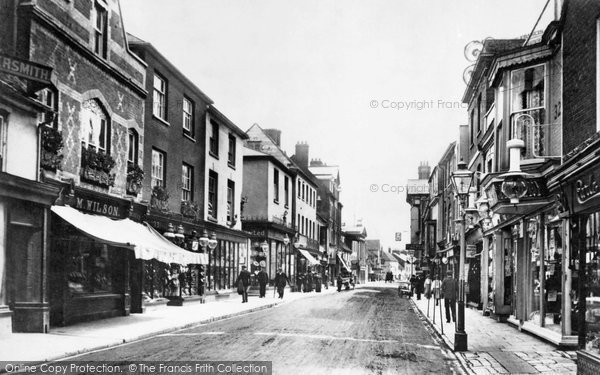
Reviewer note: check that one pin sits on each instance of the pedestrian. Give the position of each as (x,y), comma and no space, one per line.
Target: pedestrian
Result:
(420,282)
(243,282)
(326,280)
(437,289)
(281,280)
(427,286)
(413,283)
(263,279)
(339,282)
(449,291)
(308,282)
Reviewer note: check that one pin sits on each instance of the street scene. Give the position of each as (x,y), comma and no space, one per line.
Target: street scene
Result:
(315,187)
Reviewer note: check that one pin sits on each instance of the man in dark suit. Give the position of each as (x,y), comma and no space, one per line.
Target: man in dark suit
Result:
(449,292)
(243,282)
(263,279)
(281,281)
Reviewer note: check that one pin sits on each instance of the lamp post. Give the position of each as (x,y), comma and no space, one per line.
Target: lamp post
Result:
(461,180)
(286,242)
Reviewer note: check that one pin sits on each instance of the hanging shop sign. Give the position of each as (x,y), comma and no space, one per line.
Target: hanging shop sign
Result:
(26,69)
(583,191)
(471,251)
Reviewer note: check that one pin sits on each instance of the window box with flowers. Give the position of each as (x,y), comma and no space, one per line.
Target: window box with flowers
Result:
(190,210)
(96,167)
(160,198)
(52,144)
(135,175)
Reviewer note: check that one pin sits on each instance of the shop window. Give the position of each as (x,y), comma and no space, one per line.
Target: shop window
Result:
(2,141)
(592,287)
(553,277)
(100,29)
(92,268)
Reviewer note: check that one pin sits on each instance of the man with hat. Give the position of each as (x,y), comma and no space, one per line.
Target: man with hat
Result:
(449,293)
(263,279)
(281,281)
(243,282)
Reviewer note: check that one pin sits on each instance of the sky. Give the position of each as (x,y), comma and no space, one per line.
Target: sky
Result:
(373,86)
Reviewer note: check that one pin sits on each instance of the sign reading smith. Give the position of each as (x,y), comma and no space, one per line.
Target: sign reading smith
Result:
(25,69)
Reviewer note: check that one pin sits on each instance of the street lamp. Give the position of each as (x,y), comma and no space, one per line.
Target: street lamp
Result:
(462,179)
(204,239)
(514,186)
(170,233)
(212,243)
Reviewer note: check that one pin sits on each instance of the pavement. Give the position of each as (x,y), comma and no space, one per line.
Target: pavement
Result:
(64,342)
(497,348)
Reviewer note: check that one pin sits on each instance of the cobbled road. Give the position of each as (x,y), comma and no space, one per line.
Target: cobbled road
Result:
(368,330)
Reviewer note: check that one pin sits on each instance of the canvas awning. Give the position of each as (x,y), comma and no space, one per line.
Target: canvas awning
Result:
(146,242)
(344,263)
(311,260)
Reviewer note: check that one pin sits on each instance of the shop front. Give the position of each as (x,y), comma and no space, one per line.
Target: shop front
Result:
(24,228)
(96,253)
(227,258)
(271,249)
(576,244)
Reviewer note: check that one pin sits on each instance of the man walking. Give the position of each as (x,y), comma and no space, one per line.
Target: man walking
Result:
(263,279)
(281,281)
(449,292)
(243,282)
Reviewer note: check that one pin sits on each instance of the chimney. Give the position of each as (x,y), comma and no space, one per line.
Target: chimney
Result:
(275,135)
(302,154)
(424,170)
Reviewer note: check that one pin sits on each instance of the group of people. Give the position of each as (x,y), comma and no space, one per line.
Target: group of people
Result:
(446,290)
(243,283)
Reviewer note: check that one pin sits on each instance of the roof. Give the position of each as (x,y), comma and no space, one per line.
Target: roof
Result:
(225,121)
(387,257)
(306,172)
(252,154)
(134,41)
(490,48)
(355,231)
(267,144)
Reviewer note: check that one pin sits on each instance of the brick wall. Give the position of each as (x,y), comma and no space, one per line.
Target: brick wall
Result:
(79,78)
(579,77)
(168,136)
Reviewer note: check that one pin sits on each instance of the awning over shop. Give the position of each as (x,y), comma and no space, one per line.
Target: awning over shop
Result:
(311,260)
(344,263)
(146,242)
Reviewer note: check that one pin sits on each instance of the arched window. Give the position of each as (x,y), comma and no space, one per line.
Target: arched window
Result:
(95,130)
